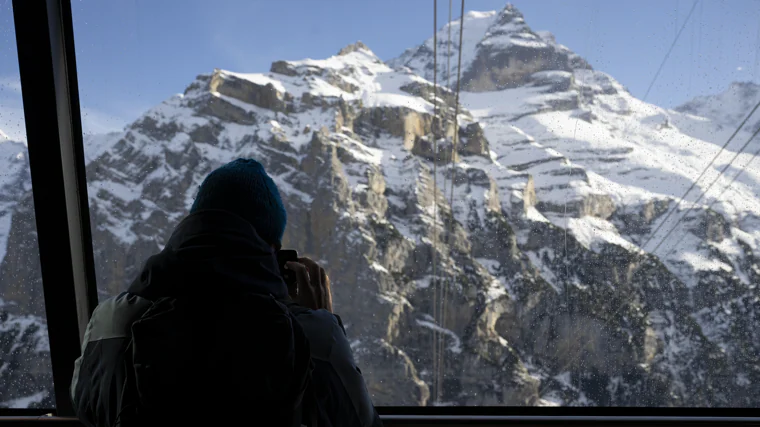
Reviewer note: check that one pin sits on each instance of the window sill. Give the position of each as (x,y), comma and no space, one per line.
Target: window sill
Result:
(469,420)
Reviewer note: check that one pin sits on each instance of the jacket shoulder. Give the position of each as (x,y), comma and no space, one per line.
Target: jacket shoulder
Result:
(99,372)
(113,317)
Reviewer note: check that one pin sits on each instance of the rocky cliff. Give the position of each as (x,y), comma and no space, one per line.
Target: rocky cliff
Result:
(559,178)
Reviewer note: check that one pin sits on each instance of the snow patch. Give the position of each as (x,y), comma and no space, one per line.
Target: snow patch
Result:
(26,401)
(456,344)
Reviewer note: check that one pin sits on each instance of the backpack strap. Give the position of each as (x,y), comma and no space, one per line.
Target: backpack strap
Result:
(310,413)
(308,407)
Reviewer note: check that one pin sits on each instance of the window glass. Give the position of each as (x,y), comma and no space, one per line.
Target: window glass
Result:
(26,379)
(533,245)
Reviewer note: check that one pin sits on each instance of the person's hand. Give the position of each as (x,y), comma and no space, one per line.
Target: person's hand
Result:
(313,284)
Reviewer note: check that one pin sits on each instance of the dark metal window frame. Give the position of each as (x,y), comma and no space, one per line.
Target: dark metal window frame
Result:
(47,65)
(50,93)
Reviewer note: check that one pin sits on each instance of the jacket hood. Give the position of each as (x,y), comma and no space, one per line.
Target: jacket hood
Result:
(211,251)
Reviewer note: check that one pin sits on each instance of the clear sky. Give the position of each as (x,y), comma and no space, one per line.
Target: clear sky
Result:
(132,54)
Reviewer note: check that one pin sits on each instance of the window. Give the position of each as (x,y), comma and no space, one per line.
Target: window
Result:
(26,379)
(570,234)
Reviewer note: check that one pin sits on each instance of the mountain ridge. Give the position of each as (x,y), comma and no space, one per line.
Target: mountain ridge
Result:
(561,174)
(728,107)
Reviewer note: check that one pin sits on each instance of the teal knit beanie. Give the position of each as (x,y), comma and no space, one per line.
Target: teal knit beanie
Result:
(244,188)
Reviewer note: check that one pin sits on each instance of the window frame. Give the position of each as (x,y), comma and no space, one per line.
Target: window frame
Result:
(50,93)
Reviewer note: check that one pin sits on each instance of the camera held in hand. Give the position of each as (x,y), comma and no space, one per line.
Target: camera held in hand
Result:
(289,276)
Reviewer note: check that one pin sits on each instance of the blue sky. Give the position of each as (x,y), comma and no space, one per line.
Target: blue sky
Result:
(132,54)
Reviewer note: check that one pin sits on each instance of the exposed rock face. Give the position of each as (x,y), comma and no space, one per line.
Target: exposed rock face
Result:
(497,66)
(19,265)
(550,294)
(20,268)
(264,96)
(501,52)
(473,141)
(282,67)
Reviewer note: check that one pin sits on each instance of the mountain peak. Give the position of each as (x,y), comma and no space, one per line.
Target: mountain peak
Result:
(499,51)
(510,13)
(355,47)
(508,30)
(748,88)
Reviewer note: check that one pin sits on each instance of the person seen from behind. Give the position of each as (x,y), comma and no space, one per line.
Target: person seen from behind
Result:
(209,332)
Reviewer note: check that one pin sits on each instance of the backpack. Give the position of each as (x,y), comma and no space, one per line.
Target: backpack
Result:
(231,358)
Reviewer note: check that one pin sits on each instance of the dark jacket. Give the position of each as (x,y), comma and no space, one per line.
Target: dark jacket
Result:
(213,253)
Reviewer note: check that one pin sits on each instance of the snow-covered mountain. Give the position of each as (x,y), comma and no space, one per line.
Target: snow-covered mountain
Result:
(561,176)
(25,372)
(15,181)
(499,50)
(728,108)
